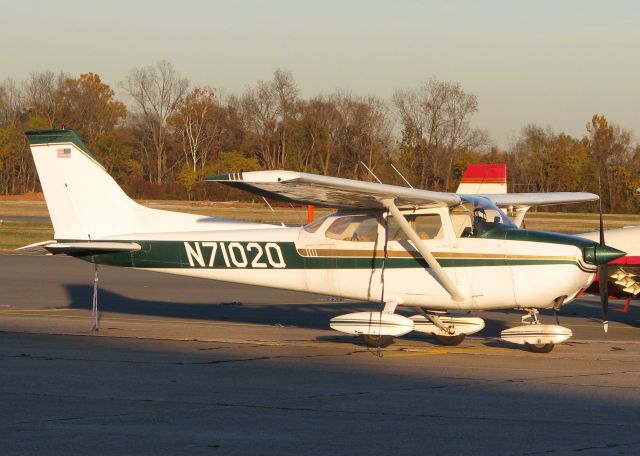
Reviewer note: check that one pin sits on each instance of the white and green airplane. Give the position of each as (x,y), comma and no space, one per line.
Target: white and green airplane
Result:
(441,253)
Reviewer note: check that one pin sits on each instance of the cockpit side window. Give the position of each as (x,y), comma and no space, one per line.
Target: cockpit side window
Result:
(461,220)
(356,228)
(428,226)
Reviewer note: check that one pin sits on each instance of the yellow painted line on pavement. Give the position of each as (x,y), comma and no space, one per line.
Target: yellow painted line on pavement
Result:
(34,310)
(441,351)
(105,319)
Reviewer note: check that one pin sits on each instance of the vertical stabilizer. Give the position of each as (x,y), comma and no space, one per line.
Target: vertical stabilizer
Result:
(85,203)
(484,179)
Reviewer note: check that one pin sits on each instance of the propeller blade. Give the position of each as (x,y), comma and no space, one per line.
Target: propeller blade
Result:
(600,210)
(601,224)
(604,294)
(603,274)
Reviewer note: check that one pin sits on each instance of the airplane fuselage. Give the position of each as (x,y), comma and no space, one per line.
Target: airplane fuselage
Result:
(502,271)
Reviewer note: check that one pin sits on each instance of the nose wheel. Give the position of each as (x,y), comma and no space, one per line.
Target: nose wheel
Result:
(375,341)
(540,348)
(535,336)
(449,341)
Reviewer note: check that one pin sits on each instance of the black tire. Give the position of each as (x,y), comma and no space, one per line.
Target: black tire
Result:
(540,348)
(371,340)
(449,341)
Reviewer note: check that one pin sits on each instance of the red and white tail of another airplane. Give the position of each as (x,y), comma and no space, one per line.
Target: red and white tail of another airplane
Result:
(484,178)
(624,273)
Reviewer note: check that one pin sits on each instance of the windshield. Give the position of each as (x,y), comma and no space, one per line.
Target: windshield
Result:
(317,223)
(477,216)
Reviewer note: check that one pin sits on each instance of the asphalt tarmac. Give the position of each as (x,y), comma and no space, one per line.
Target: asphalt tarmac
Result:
(189,366)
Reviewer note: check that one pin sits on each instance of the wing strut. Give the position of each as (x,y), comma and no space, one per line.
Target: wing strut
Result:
(439,273)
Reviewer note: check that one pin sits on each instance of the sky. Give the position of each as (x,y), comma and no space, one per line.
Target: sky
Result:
(549,63)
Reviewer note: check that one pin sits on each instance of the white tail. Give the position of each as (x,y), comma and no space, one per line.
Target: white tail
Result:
(85,203)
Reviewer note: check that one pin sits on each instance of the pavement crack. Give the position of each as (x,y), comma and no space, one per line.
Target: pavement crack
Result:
(258,358)
(69,418)
(347,412)
(85,360)
(608,446)
(364,393)
(175,363)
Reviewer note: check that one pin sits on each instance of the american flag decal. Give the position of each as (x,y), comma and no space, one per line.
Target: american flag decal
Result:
(63,153)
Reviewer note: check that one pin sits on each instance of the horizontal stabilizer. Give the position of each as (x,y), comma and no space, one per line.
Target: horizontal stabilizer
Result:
(38,248)
(91,248)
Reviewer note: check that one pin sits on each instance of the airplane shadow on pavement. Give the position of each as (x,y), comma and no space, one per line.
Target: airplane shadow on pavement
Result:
(299,314)
(307,315)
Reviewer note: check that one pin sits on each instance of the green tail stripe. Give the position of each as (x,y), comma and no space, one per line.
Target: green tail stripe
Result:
(36,137)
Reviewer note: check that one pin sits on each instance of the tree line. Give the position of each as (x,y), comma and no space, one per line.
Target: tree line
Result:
(163,135)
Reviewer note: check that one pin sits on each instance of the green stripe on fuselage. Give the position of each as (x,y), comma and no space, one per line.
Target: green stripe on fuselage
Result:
(270,255)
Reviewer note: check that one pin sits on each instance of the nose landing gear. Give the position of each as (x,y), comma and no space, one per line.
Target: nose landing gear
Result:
(538,338)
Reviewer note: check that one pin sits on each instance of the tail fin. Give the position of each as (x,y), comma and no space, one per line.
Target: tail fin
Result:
(84,202)
(484,179)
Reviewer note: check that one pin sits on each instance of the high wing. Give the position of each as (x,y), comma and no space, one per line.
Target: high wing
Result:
(520,203)
(352,194)
(478,178)
(490,181)
(540,199)
(332,191)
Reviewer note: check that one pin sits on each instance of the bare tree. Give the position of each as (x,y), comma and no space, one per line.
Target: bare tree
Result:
(611,148)
(321,127)
(42,95)
(286,94)
(366,135)
(199,123)
(157,92)
(435,122)
(11,102)
(268,111)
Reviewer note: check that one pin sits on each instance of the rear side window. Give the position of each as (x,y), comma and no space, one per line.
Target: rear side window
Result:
(355,228)
(428,226)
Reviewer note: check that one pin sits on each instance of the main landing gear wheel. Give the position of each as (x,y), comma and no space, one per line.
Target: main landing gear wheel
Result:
(374,341)
(540,348)
(449,340)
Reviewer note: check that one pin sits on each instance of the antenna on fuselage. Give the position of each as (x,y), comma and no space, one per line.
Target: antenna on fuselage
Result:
(370,172)
(298,214)
(273,210)
(400,174)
